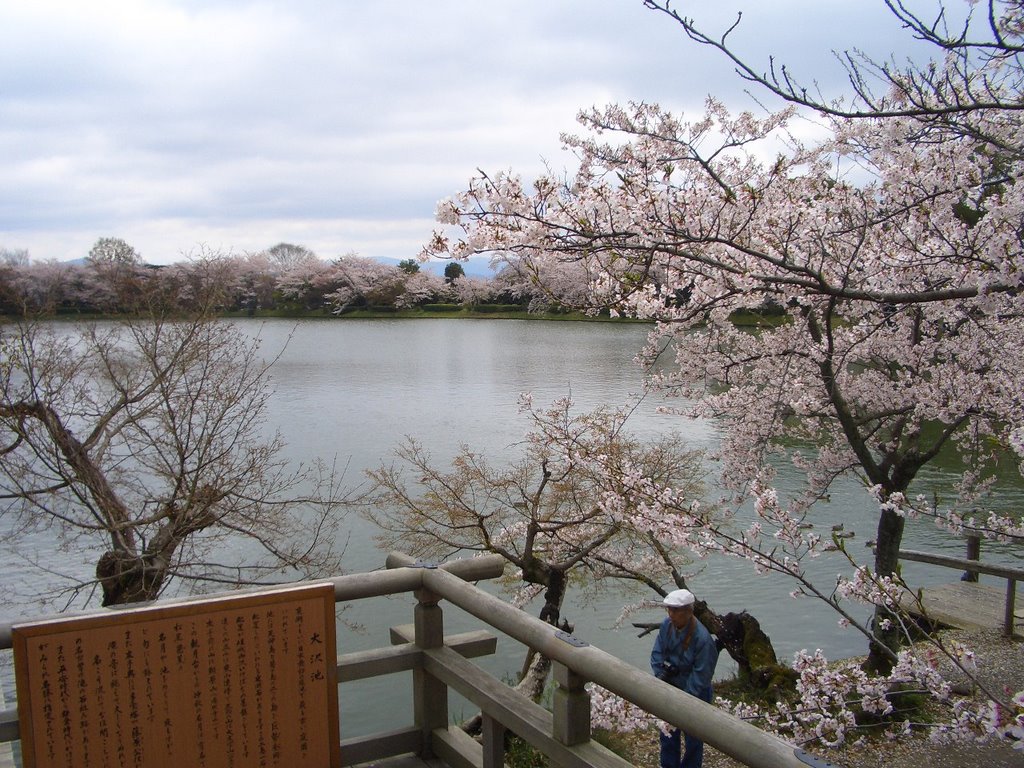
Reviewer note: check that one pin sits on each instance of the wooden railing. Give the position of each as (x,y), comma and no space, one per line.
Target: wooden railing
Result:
(971,567)
(438,662)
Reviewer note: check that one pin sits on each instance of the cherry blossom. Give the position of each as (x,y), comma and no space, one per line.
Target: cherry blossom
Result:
(881,266)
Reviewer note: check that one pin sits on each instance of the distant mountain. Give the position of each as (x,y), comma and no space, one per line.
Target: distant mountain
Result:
(475,267)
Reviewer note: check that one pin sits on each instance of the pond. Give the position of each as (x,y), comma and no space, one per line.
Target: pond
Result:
(354,389)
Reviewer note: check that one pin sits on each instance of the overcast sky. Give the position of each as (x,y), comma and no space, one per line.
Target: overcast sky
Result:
(337,124)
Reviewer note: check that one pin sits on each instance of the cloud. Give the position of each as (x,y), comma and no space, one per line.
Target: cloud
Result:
(169,123)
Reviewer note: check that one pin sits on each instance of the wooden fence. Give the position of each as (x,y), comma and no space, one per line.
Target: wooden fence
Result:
(438,662)
(972,566)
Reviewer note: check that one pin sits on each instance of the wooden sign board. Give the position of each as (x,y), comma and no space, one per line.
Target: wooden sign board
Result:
(227,682)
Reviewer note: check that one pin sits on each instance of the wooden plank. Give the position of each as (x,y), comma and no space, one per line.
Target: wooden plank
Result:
(469,645)
(528,720)
(359,665)
(405,656)
(9,730)
(9,718)
(381,746)
(456,747)
(962,605)
(404,761)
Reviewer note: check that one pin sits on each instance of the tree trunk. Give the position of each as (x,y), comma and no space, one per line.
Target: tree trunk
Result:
(551,613)
(127,578)
(887,548)
(553,597)
(741,636)
(532,683)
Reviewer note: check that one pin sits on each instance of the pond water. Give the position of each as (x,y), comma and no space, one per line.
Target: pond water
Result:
(354,389)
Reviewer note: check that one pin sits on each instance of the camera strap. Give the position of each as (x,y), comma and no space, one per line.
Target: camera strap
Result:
(688,636)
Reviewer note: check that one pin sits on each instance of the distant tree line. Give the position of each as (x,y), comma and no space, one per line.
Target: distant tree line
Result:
(114,278)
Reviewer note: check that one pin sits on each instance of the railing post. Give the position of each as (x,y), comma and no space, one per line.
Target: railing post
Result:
(493,734)
(570,706)
(430,695)
(1008,617)
(973,553)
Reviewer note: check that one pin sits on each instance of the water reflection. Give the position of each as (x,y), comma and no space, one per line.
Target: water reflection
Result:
(354,389)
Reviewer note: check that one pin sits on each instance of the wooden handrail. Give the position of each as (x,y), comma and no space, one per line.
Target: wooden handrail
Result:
(726,733)
(972,566)
(975,566)
(438,662)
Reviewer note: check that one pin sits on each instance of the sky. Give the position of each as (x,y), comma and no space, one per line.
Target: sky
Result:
(233,125)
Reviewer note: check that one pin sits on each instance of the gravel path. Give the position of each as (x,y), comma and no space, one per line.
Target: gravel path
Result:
(1000,667)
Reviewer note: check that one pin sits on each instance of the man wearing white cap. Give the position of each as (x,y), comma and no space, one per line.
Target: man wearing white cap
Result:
(685,656)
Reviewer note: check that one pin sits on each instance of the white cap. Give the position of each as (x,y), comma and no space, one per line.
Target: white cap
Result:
(679,598)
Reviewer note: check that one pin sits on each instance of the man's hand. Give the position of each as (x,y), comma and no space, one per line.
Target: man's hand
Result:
(667,670)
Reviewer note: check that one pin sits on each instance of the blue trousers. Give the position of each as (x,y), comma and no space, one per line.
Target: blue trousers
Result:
(692,757)
(693,748)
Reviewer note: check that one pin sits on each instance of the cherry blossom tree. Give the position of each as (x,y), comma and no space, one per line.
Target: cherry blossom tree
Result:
(422,287)
(890,249)
(256,280)
(542,284)
(34,288)
(898,280)
(364,282)
(14,257)
(473,290)
(308,283)
(286,256)
(113,250)
(49,287)
(112,276)
(545,512)
(208,280)
(978,70)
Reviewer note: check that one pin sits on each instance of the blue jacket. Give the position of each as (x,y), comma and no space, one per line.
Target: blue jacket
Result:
(696,664)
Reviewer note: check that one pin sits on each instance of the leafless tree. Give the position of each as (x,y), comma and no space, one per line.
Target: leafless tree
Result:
(14,257)
(286,256)
(144,443)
